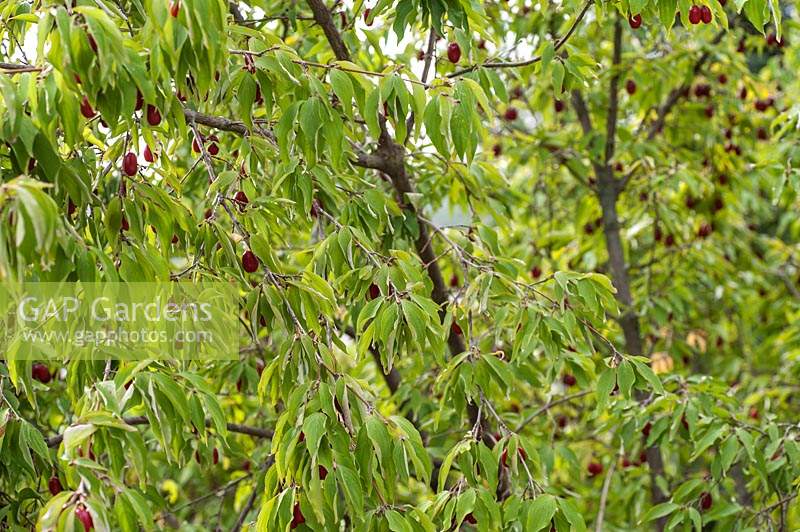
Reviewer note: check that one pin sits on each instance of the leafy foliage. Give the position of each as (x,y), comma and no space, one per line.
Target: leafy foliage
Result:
(548,283)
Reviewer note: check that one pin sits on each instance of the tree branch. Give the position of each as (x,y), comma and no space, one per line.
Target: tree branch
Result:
(516,64)
(322,16)
(256,432)
(613,93)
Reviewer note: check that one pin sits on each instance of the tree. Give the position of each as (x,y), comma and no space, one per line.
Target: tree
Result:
(500,266)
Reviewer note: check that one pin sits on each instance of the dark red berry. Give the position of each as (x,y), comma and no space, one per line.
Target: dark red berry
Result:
(753,413)
(558,105)
(497,150)
(215,456)
(153,115)
(323,473)
(129,164)
(124,224)
(723,79)
(84,517)
(762,134)
(54,485)
(148,155)
(70,207)
(569,379)
(297,517)
(630,87)
(374,291)
(594,468)
(454,281)
(86,108)
(635,21)
(174,8)
(249,261)
(454,52)
(455,328)
(366,17)
(706,501)
(705,15)
(511,114)
(40,372)
(213,149)
(241,198)
(469,518)
(695,15)
(139,100)
(175,239)
(536,272)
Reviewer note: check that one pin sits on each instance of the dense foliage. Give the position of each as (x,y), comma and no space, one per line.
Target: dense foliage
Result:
(503,265)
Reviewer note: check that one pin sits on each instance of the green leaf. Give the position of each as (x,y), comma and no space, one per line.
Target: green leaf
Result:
(540,512)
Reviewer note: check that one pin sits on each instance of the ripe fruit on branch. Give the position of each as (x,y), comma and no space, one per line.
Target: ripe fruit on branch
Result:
(635,21)
(84,517)
(213,149)
(374,291)
(86,108)
(323,473)
(174,8)
(297,517)
(569,379)
(695,15)
(455,328)
(40,373)
(124,226)
(249,261)
(594,468)
(153,115)
(54,485)
(536,272)
(762,134)
(366,17)
(504,457)
(129,164)
(470,518)
(148,155)
(706,500)
(242,199)
(558,105)
(630,87)
(709,110)
(215,456)
(196,145)
(454,52)
(723,79)
(705,14)
(511,114)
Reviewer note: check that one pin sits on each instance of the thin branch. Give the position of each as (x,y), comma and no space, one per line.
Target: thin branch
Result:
(516,64)
(604,494)
(256,432)
(323,17)
(613,93)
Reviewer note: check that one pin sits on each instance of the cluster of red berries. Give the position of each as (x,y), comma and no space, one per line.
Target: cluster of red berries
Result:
(699,14)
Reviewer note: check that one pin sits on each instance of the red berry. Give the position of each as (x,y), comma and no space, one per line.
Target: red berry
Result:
(208,214)
(762,134)
(153,115)
(646,429)
(723,79)
(705,15)
(374,291)
(148,155)
(558,105)
(635,21)
(70,207)
(174,9)
(511,114)
(753,413)
(504,458)
(213,149)
(129,164)
(695,15)
(709,111)
(249,261)
(195,145)
(86,108)
(124,224)
(54,485)
(569,380)
(297,517)
(562,421)
(323,473)
(704,230)
(92,42)
(455,328)
(301,437)
(497,150)
(454,52)
(215,456)
(595,468)
(84,517)
(669,241)
(366,17)
(241,198)
(536,272)
(139,100)
(454,281)
(706,500)
(175,239)
(469,518)
(630,87)
(626,463)
(40,372)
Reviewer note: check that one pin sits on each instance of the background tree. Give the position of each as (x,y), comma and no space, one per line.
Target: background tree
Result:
(501,265)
